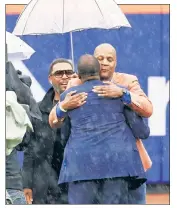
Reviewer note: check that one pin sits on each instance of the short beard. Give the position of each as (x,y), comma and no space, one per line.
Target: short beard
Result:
(57,89)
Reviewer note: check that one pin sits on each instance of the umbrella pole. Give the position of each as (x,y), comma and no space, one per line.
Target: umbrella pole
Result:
(72,49)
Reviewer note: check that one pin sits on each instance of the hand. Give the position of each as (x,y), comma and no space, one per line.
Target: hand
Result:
(110,90)
(73,100)
(75,81)
(28,195)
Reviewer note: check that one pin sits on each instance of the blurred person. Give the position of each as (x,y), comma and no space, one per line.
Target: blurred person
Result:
(44,154)
(20,108)
(17,123)
(101,162)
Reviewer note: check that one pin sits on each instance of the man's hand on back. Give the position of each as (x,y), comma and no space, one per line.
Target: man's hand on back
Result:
(73,100)
(109,90)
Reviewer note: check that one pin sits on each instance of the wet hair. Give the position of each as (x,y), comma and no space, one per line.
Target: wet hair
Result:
(59,60)
(88,66)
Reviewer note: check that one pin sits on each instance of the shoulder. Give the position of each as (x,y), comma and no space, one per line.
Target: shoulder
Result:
(123,78)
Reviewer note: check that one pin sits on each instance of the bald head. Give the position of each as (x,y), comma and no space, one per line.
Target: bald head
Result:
(106,55)
(105,47)
(88,66)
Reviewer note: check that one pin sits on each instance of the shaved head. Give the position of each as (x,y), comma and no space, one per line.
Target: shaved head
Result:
(105,46)
(88,66)
(106,55)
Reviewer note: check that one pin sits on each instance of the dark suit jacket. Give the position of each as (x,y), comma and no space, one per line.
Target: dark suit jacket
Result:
(101,144)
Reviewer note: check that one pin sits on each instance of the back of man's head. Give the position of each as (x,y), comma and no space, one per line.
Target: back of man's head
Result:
(88,66)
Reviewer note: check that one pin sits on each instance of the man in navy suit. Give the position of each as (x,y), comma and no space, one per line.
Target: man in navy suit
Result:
(101,162)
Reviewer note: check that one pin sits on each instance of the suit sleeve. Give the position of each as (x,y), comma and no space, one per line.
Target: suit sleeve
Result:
(140,102)
(139,127)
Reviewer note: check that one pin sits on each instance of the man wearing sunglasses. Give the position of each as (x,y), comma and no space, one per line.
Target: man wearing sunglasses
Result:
(43,158)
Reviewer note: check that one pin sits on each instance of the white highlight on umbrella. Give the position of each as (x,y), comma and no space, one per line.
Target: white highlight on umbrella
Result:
(17,48)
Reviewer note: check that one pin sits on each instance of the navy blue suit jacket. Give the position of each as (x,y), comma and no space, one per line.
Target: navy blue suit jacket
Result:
(101,143)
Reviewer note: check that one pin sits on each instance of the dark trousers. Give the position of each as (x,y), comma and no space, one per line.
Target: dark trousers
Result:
(106,191)
(51,196)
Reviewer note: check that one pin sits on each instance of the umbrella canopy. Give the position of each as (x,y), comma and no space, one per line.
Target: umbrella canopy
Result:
(17,48)
(61,16)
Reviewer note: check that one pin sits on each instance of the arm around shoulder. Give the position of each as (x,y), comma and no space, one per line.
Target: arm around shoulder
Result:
(140,102)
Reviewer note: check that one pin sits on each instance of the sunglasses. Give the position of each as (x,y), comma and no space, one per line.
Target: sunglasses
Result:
(59,74)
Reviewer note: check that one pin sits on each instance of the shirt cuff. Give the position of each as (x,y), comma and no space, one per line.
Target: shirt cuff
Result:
(126,98)
(60,112)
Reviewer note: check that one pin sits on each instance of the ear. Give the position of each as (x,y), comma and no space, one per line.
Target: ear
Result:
(116,62)
(50,80)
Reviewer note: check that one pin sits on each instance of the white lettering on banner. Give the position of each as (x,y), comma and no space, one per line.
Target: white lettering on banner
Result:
(158,93)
